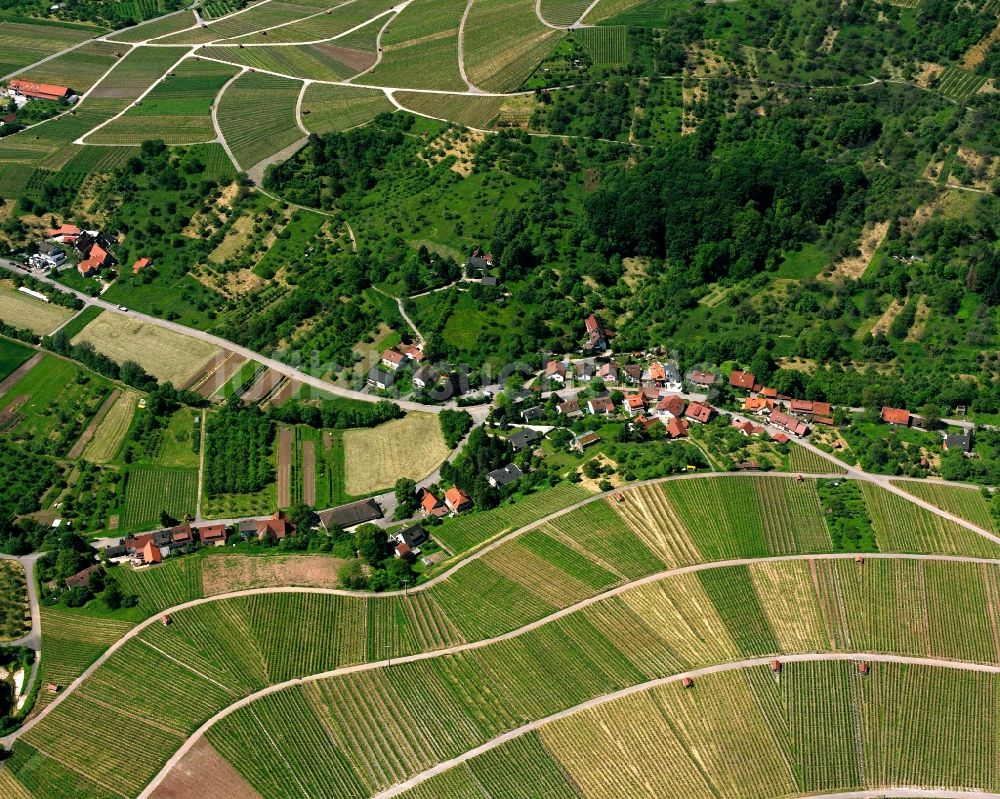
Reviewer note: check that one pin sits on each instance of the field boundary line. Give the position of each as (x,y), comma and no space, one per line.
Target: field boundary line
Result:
(184,665)
(395,12)
(221,137)
(319,13)
(298,106)
(473,89)
(209,22)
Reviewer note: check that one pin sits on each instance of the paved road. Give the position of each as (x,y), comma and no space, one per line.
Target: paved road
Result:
(33,640)
(510,735)
(278,366)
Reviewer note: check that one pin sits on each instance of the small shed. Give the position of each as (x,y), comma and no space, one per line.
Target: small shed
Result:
(862,667)
(859,559)
(619,496)
(687,682)
(776,666)
(165,619)
(53,688)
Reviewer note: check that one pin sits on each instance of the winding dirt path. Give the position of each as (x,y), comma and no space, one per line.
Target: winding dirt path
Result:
(473,89)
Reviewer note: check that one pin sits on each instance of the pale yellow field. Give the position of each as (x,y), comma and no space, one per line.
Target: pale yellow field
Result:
(164,354)
(375,458)
(21,310)
(111,431)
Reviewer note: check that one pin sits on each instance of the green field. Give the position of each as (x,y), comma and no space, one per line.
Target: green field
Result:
(178,109)
(257,130)
(25,42)
(326,108)
(151,489)
(327,26)
(79,69)
(606,44)
(12,355)
(959,84)
(156,28)
(471,111)
(319,62)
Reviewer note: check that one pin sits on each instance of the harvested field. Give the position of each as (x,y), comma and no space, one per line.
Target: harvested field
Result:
(203,772)
(376,457)
(163,353)
(263,386)
(285,436)
(77,449)
(221,574)
(854,267)
(654,521)
(309,472)
(111,432)
(20,310)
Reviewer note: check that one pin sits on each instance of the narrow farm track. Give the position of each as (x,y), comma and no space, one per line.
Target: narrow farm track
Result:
(902,793)
(719,668)
(489,547)
(518,732)
(473,89)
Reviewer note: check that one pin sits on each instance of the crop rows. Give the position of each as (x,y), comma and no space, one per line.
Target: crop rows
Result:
(537,575)
(805,460)
(648,514)
(177,580)
(136,72)
(23,43)
(260,17)
(319,62)
(959,84)
(468,110)
(968,503)
(563,12)
(504,43)
(256,130)
(902,526)
(111,432)
(151,489)
(157,28)
(465,532)
(325,26)
(606,45)
(78,69)
(179,108)
(46,139)
(790,516)
(788,599)
(327,108)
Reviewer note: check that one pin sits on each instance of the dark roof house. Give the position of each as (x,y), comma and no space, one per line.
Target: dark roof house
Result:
(520,439)
(498,478)
(354,513)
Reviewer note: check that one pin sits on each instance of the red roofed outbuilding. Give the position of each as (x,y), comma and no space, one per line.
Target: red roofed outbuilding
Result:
(896,416)
(39,91)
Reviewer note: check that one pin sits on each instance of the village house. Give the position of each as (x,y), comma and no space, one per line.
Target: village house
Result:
(744,380)
(581,442)
(276,527)
(247,529)
(698,412)
(49,256)
(457,500)
(409,539)
(499,478)
(677,427)
(702,378)
(597,338)
(532,414)
(634,403)
(600,406)
(430,504)
(570,408)
(65,234)
(584,370)
(213,535)
(412,352)
(781,438)
(150,555)
(478,263)
(556,371)
(960,441)
(671,406)
(350,515)
(896,416)
(759,405)
(182,535)
(82,578)
(632,373)
(789,423)
(524,438)
(425,376)
(135,543)
(393,359)
(608,372)
(748,428)
(381,379)
(646,422)
(97,259)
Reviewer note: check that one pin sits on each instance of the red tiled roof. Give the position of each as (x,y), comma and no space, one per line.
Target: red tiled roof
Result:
(151,554)
(822,409)
(790,423)
(139,265)
(44,91)
(393,357)
(800,406)
(896,416)
(698,412)
(555,368)
(212,532)
(65,230)
(781,438)
(702,378)
(657,372)
(456,497)
(429,502)
(742,379)
(601,405)
(672,404)
(770,393)
(677,428)
(635,402)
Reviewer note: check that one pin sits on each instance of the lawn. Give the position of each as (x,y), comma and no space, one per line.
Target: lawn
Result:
(376,457)
(179,443)
(22,311)
(12,355)
(163,353)
(152,489)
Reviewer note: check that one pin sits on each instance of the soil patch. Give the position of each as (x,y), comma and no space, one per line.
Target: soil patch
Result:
(285,437)
(204,772)
(223,573)
(855,266)
(358,60)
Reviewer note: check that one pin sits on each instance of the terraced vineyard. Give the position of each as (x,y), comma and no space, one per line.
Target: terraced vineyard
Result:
(317,61)
(256,130)
(471,111)
(967,503)
(326,109)
(959,84)
(151,489)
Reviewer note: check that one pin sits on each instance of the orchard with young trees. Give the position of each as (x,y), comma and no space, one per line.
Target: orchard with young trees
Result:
(238,450)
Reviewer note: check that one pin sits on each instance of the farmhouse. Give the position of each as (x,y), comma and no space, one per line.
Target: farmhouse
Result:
(670,406)
(580,443)
(432,505)
(570,408)
(478,263)
(97,259)
(82,578)
(960,441)
(151,554)
(698,412)
(276,527)
(457,500)
(896,416)
(379,378)
(181,535)
(789,423)
(425,376)
(740,379)
(523,438)
(600,406)
(556,370)
(351,515)
(136,543)
(393,359)
(499,478)
(634,403)
(213,535)
(597,338)
(677,428)
(39,91)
